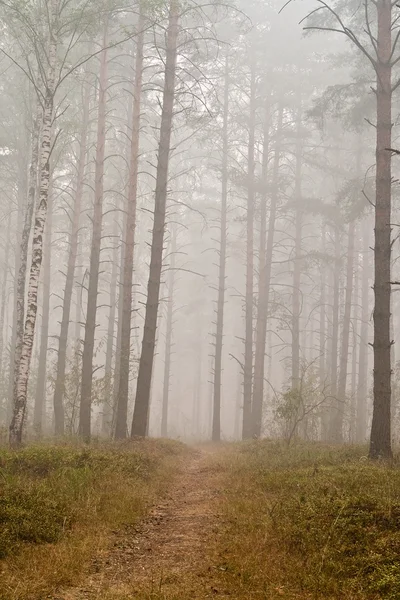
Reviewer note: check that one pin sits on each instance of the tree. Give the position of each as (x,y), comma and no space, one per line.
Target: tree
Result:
(142,401)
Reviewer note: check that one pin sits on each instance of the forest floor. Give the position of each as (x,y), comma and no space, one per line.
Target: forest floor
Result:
(247,521)
(167,555)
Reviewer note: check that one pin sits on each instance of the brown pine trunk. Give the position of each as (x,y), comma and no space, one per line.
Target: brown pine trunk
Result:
(17,422)
(40,395)
(322,336)
(219,336)
(344,351)
(107,414)
(91,313)
(261,324)
(59,388)
(123,385)
(168,339)
(380,442)
(248,342)
(335,334)
(296,304)
(258,398)
(142,401)
(362,386)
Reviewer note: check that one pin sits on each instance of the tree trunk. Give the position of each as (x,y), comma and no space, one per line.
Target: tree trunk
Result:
(219,336)
(168,339)
(296,304)
(322,336)
(261,324)
(354,346)
(91,313)
(3,334)
(59,388)
(40,395)
(258,397)
(107,415)
(344,351)
(142,402)
(23,254)
(335,334)
(362,387)
(248,342)
(123,386)
(380,442)
(17,422)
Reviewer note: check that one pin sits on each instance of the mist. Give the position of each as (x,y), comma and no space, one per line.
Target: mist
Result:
(196,231)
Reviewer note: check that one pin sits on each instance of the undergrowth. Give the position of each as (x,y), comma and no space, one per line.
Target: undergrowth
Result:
(309,522)
(58,503)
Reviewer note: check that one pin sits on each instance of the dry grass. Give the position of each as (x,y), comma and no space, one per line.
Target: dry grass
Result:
(310,522)
(58,504)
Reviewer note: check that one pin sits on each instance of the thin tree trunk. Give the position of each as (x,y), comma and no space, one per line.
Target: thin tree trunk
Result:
(355,321)
(248,342)
(261,324)
(335,333)
(23,253)
(4,280)
(91,313)
(17,422)
(40,395)
(258,398)
(362,387)
(123,386)
(322,336)
(107,415)
(380,442)
(168,339)
(59,388)
(142,402)
(344,351)
(219,336)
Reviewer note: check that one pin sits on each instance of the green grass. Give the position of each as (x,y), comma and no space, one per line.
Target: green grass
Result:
(58,504)
(310,522)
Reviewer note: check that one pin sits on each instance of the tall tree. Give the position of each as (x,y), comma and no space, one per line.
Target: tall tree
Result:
(219,335)
(123,386)
(142,401)
(94,269)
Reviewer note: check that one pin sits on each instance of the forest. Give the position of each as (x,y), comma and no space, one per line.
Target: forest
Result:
(199,240)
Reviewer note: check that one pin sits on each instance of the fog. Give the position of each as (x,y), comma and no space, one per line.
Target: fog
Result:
(188,195)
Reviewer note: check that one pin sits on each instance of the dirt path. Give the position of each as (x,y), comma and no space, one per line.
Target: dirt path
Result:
(166,556)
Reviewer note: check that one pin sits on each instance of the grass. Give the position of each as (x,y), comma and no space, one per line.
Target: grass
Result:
(309,522)
(59,503)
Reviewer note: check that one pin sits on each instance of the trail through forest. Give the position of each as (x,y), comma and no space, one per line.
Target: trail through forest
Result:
(167,554)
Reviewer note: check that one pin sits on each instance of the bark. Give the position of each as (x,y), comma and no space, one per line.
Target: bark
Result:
(262,301)
(40,395)
(362,387)
(335,333)
(3,334)
(94,268)
(17,422)
(258,398)
(380,441)
(296,305)
(168,339)
(219,336)
(126,326)
(142,402)
(107,415)
(23,254)
(248,342)
(322,367)
(59,388)
(355,322)
(344,351)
